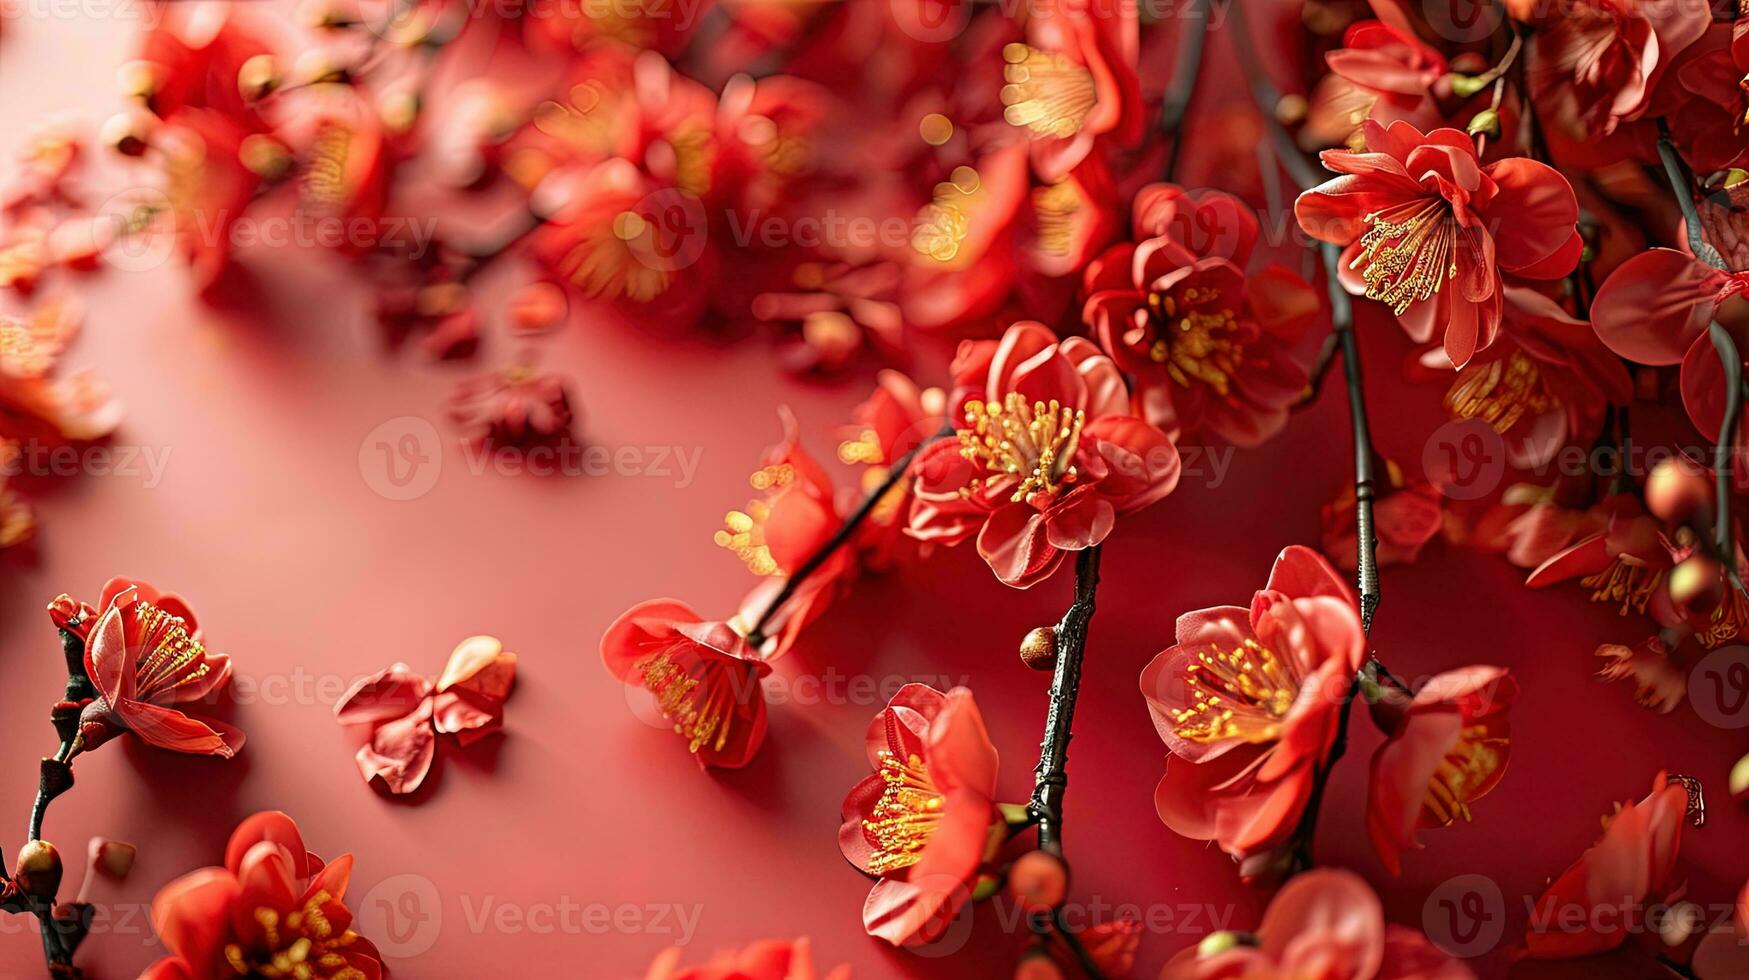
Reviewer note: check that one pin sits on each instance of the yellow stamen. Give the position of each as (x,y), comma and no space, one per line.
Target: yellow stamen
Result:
(1036,442)
(1409,252)
(905,816)
(1242,693)
(1048,94)
(1501,392)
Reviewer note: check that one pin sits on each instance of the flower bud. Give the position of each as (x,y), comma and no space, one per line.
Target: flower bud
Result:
(38,871)
(1039,880)
(265,156)
(1487,121)
(1038,965)
(1739,783)
(1678,489)
(126,133)
(1039,649)
(1697,581)
(1216,943)
(112,859)
(537,307)
(258,77)
(140,80)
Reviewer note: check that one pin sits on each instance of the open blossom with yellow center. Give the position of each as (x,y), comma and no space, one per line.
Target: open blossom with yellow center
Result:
(1047,93)
(907,813)
(1501,392)
(1430,228)
(1448,746)
(1209,342)
(923,820)
(704,676)
(301,945)
(1047,456)
(1243,693)
(273,911)
(1409,252)
(1035,442)
(1247,701)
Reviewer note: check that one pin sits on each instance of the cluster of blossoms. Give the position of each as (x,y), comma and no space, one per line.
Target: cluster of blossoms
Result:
(1552,211)
(48,237)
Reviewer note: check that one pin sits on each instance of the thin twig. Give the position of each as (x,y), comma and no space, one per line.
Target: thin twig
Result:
(1182,90)
(1730,358)
(899,470)
(1051,776)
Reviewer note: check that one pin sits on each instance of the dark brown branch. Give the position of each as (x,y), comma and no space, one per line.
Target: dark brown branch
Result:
(1187,65)
(1051,776)
(899,471)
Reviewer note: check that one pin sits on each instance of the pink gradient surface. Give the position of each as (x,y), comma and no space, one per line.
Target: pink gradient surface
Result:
(585,840)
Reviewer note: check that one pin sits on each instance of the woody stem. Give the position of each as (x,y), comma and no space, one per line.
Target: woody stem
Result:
(1051,776)
(1265,94)
(1188,64)
(1730,358)
(899,471)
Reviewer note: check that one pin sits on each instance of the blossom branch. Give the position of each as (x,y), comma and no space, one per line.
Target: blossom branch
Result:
(1051,777)
(1187,66)
(1266,95)
(1730,358)
(900,470)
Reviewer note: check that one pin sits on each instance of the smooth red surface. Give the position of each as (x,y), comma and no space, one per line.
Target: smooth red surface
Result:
(309,579)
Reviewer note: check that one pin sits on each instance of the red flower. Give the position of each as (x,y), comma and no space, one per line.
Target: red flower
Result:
(1544,385)
(1393,72)
(778,533)
(704,676)
(272,904)
(1406,515)
(1532,524)
(922,822)
(1656,308)
(143,653)
(344,163)
(1249,700)
(895,418)
(1325,923)
(834,313)
(1708,103)
(1073,81)
(621,238)
(1623,565)
(1447,747)
(1596,63)
(1047,457)
(771,959)
(515,406)
(1593,906)
(1207,345)
(1429,228)
(406,712)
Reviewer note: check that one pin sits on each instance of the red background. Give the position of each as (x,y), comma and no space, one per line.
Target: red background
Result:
(309,578)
